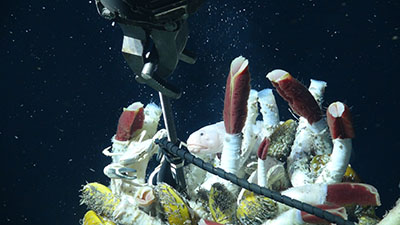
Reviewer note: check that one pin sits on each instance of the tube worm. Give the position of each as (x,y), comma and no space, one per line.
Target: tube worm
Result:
(250,134)
(235,111)
(261,166)
(352,193)
(128,213)
(152,114)
(334,209)
(336,195)
(322,137)
(339,121)
(139,154)
(130,120)
(296,94)
(263,149)
(207,222)
(129,172)
(317,90)
(309,137)
(297,217)
(393,216)
(270,113)
(145,197)
(236,95)
(288,217)
(340,194)
(341,129)
(269,109)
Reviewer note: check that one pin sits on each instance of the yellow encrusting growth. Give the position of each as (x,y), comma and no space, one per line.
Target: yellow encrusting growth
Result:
(318,163)
(350,175)
(99,198)
(281,140)
(176,210)
(255,209)
(91,218)
(222,204)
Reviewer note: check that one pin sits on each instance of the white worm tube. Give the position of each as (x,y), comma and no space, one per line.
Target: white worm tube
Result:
(393,216)
(128,213)
(339,120)
(231,152)
(339,160)
(269,109)
(307,137)
(249,135)
(270,113)
(291,216)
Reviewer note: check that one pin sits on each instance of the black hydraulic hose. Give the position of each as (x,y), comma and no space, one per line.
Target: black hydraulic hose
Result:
(186,155)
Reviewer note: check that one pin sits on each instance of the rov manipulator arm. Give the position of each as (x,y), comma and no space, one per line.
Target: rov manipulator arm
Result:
(155,34)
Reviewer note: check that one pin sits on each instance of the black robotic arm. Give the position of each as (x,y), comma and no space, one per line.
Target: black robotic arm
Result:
(155,35)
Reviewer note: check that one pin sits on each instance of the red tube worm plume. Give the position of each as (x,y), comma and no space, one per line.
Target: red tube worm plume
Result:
(339,121)
(131,119)
(263,149)
(208,222)
(352,193)
(296,94)
(334,209)
(236,95)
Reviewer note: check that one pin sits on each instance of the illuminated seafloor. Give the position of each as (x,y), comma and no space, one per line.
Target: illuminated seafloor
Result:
(64,83)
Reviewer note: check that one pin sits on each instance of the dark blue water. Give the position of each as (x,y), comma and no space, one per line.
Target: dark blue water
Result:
(63,83)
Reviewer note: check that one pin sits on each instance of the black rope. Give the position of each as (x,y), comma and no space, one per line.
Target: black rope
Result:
(185,154)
